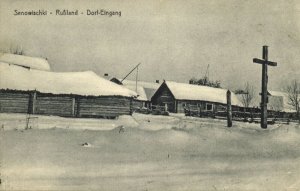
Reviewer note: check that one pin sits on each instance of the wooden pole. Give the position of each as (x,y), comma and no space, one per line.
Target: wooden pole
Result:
(136,78)
(264,90)
(229,109)
(33,103)
(73,107)
(130,72)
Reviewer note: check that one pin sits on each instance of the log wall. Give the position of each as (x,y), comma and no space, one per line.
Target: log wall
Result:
(54,105)
(103,106)
(137,104)
(79,106)
(64,105)
(14,102)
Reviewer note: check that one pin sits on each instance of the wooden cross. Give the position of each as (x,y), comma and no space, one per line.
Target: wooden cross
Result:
(264,85)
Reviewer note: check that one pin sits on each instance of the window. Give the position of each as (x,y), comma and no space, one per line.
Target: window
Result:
(209,107)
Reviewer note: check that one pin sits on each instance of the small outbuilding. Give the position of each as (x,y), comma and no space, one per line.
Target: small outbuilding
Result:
(279,101)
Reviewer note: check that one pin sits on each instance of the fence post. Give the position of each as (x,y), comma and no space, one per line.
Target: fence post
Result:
(229,109)
(73,106)
(252,117)
(32,102)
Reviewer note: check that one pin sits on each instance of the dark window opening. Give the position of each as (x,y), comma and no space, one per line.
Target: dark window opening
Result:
(209,107)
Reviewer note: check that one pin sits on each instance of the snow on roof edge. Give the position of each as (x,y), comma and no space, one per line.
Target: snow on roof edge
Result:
(79,83)
(25,61)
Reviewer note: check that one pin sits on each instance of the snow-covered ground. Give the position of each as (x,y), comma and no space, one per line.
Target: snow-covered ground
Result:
(146,152)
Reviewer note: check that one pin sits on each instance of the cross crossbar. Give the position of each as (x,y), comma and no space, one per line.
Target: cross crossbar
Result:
(259,61)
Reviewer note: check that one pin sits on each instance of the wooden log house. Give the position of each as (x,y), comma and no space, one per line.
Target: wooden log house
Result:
(178,96)
(68,94)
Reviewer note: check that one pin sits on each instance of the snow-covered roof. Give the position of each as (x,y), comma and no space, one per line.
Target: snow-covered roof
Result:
(25,61)
(150,92)
(281,104)
(139,90)
(184,91)
(80,83)
(145,90)
(277,93)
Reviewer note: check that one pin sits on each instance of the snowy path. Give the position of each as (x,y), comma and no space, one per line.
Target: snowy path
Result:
(151,153)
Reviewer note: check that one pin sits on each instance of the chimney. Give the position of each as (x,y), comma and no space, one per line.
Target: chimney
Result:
(157,81)
(106,74)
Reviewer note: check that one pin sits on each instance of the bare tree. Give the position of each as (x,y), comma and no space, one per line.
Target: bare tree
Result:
(16,50)
(293,90)
(247,94)
(205,82)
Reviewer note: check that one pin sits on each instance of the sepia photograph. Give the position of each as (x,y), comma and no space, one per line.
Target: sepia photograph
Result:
(149,95)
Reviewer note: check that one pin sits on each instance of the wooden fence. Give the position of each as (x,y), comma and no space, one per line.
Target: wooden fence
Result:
(159,110)
(251,115)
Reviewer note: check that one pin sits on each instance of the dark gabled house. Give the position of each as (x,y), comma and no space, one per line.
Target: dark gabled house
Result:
(177,96)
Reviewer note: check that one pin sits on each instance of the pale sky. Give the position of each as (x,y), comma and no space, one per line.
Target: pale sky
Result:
(174,40)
